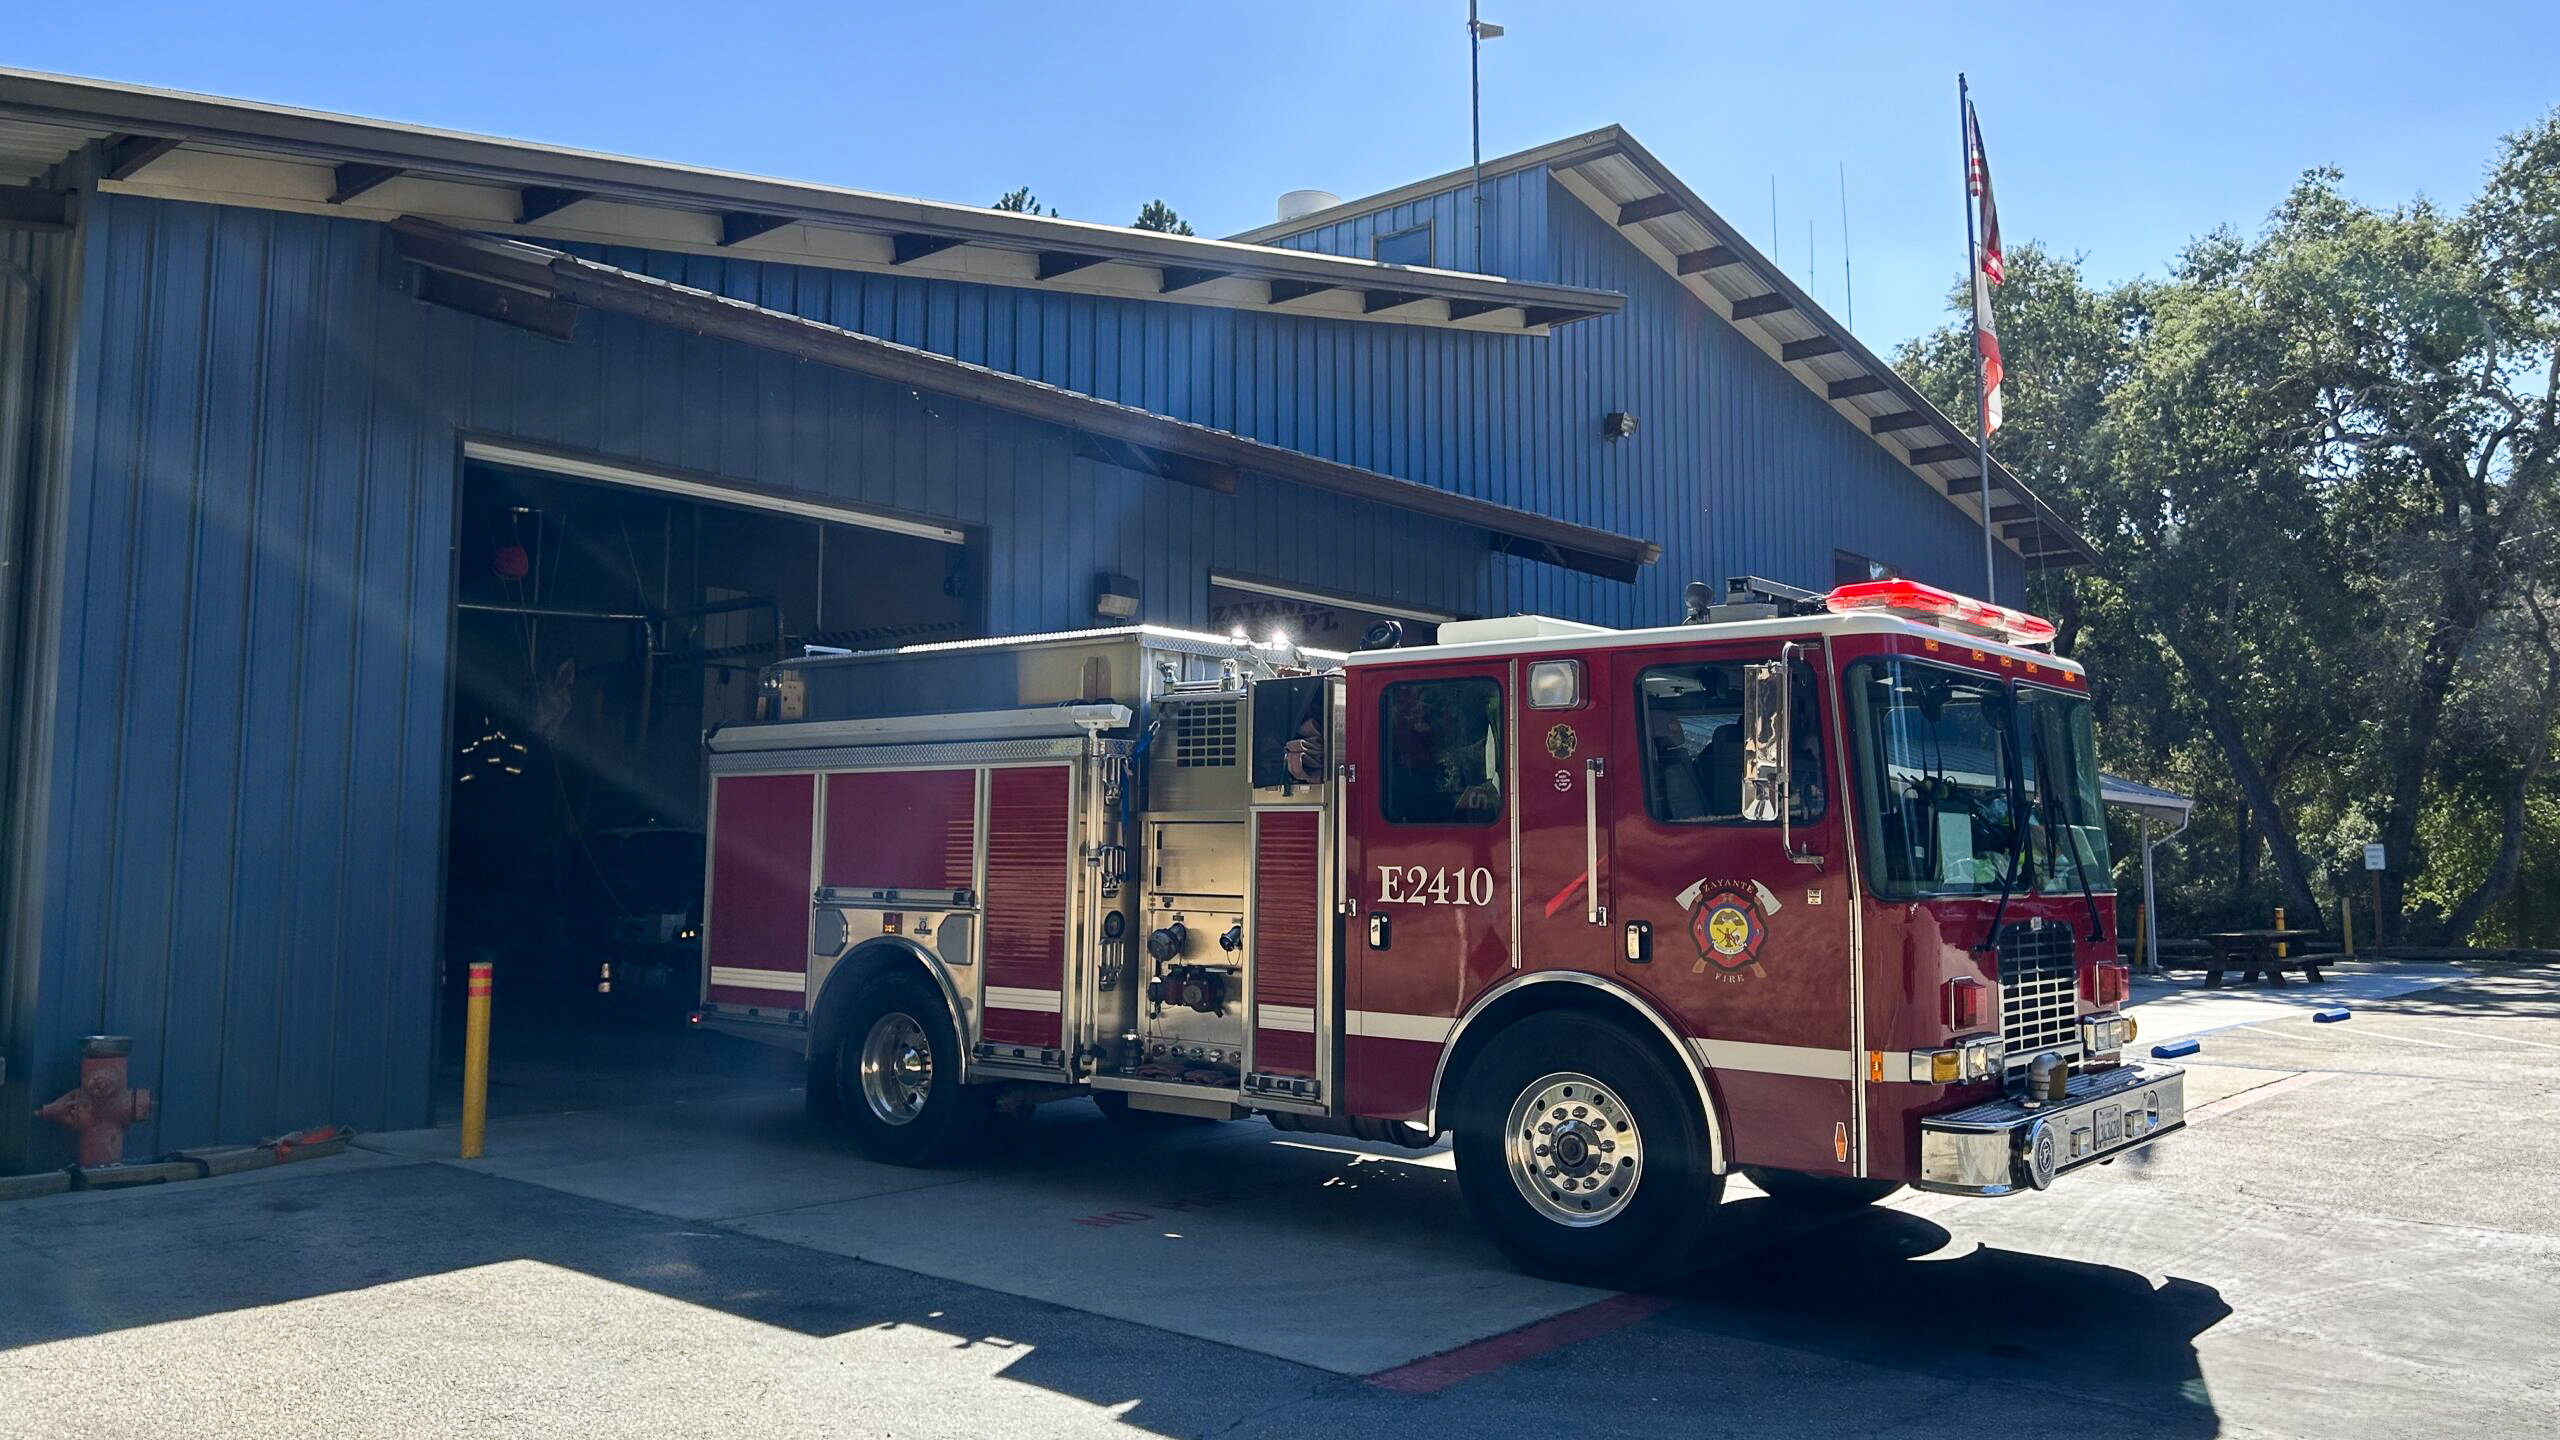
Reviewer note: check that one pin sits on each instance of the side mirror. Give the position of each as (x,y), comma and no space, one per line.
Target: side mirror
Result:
(1768,709)
(1764,740)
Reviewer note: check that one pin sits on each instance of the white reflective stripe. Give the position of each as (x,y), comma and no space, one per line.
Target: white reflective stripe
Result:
(1285,1017)
(1809,1061)
(794,981)
(1008,997)
(1396,1025)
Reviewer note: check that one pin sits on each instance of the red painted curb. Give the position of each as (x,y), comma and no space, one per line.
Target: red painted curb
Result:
(1439,1372)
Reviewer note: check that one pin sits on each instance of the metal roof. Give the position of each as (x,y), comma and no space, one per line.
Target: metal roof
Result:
(2144,799)
(1636,193)
(542,289)
(176,145)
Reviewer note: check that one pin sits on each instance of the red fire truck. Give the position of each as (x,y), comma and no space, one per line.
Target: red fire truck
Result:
(1813,887)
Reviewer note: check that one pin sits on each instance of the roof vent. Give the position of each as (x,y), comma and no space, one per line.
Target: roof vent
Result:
(1298,204)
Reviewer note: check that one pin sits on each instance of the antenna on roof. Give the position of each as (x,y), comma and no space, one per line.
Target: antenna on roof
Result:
(1773,219)
(1848,287)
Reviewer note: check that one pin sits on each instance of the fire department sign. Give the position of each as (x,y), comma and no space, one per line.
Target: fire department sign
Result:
(1729,921)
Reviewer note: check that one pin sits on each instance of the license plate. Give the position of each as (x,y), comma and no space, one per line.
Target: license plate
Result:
(2109,1123)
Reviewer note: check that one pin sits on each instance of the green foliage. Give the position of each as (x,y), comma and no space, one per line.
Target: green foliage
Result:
(2320,466)
(1157,215)
(1022,202)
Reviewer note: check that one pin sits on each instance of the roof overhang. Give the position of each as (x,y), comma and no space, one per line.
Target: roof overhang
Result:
(2148,801)
(1639,196)
(543,289)
(174,145)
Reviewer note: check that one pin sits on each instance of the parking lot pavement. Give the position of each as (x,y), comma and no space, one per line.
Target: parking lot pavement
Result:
(2356,1237)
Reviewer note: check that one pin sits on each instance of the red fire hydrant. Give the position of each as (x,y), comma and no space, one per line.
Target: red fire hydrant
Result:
(103,1105)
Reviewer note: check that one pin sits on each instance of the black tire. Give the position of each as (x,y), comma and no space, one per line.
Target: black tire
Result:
(909,1113)
(1825,1192)
(1643,1235)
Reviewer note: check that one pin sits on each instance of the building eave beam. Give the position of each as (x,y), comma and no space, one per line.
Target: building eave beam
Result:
(1177,278)
(534,202)
(1054,263)
(1752,307)
(908,249)
(1651,207)
(738,226)
(128,154)
(352,180)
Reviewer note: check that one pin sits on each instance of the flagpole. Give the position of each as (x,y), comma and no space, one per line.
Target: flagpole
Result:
(1973,293)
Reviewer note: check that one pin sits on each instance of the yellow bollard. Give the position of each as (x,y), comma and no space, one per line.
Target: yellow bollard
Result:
(475,1064)
(2279,925)
(2347,924)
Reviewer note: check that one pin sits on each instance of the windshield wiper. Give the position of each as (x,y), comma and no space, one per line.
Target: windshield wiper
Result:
(2079,867)
(2018,851)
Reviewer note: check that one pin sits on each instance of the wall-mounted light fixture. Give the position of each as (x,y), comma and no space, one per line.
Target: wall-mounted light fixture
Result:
(1115,597)
(1617,425)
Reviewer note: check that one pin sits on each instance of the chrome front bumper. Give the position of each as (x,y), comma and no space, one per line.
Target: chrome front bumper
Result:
(2003,1146)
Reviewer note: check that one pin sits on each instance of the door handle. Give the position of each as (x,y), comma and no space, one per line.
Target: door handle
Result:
(1381,929)
(1344,774)
(1592,770)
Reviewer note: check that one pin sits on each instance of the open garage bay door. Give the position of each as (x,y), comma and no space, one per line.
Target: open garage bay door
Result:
(604,619)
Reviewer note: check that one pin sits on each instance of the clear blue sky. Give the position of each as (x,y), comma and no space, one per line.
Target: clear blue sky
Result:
(2119,138)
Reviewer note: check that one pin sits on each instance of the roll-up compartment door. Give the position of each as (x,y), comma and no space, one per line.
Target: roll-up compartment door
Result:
(757,945)
(1026,906)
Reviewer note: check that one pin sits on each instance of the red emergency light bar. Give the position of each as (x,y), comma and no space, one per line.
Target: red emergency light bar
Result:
(1928,602)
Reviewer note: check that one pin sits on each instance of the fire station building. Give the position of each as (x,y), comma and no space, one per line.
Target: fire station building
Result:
(385,514)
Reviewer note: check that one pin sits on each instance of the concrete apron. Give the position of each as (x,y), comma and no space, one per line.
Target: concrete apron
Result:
(2173,1009)
(1345,1256)
(1335,1254)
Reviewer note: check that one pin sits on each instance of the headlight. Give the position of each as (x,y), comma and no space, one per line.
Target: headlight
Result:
(1965,1063)
(2106,1034)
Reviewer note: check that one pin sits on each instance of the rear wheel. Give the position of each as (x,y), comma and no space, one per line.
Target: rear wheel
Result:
(897,1077)
(1582,1154)
(1827,1192)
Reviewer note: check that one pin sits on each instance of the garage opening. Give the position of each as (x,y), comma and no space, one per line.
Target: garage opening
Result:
(1311,618)
(603,621)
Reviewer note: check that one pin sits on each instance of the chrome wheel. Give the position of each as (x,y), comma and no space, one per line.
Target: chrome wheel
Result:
(1573,1150)
(897,1068)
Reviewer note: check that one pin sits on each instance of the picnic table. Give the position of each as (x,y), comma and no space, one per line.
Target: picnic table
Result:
(2253,953)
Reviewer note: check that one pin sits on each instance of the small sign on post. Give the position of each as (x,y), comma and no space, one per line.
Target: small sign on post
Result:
(2373,865)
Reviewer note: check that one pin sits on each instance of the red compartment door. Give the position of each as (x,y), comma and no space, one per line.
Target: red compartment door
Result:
(757,945)
(1026,906)
(901,830)
(1287,926)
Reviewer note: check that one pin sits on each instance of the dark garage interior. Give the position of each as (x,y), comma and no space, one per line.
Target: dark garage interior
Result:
(600,629)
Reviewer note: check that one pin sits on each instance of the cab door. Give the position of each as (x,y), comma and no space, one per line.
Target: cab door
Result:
(1738,928)
(1429,879)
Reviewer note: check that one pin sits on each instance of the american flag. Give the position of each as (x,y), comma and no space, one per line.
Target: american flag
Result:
(1986,268)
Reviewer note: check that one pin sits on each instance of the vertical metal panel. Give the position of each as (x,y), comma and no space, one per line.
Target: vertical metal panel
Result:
(40,302)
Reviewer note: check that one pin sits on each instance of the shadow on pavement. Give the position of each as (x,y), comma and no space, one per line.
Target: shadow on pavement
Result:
(235,1252)
(1880,1287)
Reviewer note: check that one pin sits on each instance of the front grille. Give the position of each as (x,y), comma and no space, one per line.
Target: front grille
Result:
(1204,734)
(2039,992)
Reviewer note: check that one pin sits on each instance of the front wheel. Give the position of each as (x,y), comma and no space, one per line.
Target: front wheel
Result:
(897,1077)
(1822,1192)
(1583,1155)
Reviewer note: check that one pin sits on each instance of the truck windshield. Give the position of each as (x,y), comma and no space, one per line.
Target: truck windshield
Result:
(2067,830)
(1937,756)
